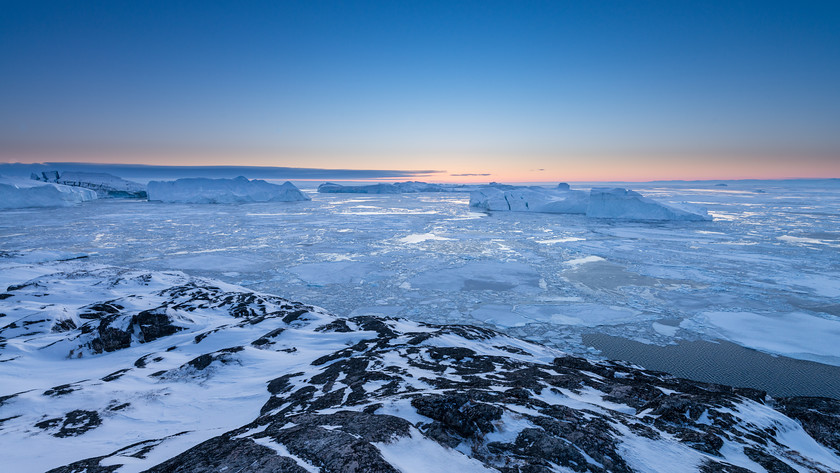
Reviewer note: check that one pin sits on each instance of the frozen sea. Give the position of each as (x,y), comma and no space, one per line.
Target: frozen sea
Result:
(759,285)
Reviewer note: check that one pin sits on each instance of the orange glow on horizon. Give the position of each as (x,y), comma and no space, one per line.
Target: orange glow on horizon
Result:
(482,169)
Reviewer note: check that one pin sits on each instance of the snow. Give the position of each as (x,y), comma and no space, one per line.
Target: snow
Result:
(21,193)
(223,191)
(163,407)
(417,454)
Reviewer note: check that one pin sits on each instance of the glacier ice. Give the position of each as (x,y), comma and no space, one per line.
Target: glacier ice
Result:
(223,191)
(533,199)
(408,187)
(22,193)
(105,185)
(630,205)
(616,203)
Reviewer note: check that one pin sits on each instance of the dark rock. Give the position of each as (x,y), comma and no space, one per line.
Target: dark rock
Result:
(458,413)
(819,416)
(228,454)
(154,325)
(72,424)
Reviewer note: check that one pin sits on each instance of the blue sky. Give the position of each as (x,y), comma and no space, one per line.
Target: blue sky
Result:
(520,90)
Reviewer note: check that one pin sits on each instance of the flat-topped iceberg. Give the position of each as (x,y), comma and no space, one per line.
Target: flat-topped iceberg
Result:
(626,204)
(530,199)
(223,191)
(22,193)
(614,203)
(105,185)
(409,187)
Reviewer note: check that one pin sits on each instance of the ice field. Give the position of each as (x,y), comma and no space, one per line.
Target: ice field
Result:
(764,274)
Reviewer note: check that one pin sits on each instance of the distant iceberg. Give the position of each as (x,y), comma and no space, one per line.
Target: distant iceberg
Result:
(105,185)
(613,203)
(223,191)
(22,193)
(409,187)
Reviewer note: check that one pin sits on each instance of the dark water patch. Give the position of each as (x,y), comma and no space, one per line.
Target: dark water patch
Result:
(725,363)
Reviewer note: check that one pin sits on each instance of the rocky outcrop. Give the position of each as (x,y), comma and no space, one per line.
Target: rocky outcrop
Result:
(363,394)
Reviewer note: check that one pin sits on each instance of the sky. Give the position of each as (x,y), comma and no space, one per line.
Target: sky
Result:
(479,90)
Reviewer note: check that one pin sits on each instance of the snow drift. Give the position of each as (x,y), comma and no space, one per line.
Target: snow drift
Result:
(105,185)
(22,193)
(409,187)
(613,203)
(223,191)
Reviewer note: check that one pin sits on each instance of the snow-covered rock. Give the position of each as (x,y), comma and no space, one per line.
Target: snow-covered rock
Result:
(108,369)
(409,187)
(597,203)
(629,205)
(223,191)
(22,193)
(105,185)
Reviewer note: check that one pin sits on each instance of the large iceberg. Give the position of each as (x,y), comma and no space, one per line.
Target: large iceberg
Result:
(533,199)
(223,191)
(614,203)
(630,205)
(409,187)
(105,185)
(22,193)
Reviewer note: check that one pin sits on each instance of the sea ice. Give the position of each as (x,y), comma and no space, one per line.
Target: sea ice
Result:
(223,191)
(22,193)
(796,334)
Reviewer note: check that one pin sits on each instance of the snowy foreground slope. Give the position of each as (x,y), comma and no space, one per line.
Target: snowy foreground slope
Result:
(614,203)
(105,185)
(16,193)
(223,191)
(106,369)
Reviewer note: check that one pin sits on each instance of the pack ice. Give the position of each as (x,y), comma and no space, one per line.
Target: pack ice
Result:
(21,193)
(223,191)
(614,203)
(409,187)
(105,185)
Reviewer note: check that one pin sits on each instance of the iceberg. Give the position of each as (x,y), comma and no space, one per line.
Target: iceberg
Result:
(530,199)
(105,185)
(614,203)
(23,193)
(408,187)
(625,204)
(223,191)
